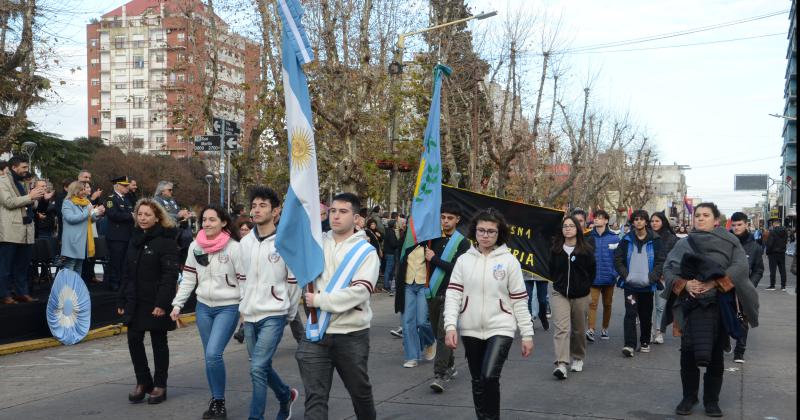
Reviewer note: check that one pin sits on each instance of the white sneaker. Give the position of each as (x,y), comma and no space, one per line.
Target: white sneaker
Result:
(398,333)
(429,353)
(576,365)
(410,364)
(659,339)
(627,351)
(604,334)
(560,371)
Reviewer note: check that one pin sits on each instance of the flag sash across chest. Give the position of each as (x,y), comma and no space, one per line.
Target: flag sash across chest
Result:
(299,236)
(447,255)
(341,278)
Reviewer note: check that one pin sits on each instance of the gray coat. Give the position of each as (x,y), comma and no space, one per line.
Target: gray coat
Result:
(74,231)
(724,248)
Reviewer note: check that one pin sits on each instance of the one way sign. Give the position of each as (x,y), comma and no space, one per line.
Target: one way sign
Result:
(231,143)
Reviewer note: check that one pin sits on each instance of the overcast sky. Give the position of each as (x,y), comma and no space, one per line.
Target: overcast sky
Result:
(705,106)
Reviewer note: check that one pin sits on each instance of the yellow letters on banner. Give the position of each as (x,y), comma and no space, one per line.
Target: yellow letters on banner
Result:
(525,232)
(525,258)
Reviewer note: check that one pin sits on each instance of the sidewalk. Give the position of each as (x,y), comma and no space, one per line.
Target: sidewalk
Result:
(92,379)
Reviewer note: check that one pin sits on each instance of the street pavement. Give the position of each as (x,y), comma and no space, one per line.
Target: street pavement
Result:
(92,379)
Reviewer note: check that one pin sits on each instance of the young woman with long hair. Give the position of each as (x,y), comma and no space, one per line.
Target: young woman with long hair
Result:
(214,268)
(572,270)
(486,302)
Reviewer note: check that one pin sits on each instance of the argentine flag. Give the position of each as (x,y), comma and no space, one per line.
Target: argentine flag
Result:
(299,237)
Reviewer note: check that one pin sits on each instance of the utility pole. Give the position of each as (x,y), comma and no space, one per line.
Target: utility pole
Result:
(396,71)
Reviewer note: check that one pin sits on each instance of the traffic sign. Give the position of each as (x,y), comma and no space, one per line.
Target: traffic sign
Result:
(226,127)
(231,143)
(207,143)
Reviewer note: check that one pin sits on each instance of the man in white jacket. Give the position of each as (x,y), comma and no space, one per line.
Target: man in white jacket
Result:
(344,345)
(269,301)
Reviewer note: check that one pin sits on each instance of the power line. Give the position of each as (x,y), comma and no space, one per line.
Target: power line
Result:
(677,33)
(681,45)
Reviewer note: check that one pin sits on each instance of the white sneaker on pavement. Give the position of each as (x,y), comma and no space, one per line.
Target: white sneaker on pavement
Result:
(560,371)
(576,365)
(659,339)
(410,364)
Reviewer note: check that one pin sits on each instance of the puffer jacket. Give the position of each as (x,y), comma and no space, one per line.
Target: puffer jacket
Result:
(605,244)
(572,275)
(486,296)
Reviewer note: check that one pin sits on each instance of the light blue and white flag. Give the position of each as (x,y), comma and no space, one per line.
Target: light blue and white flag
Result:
(299,237)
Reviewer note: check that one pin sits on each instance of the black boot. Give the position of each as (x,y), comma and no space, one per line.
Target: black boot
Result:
(685,406)
(690,381)
(712,385)
(216,410)
(477,398)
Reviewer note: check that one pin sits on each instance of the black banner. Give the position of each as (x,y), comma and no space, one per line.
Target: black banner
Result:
(532,227)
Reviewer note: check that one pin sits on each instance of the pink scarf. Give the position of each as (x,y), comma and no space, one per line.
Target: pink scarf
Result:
(211,246)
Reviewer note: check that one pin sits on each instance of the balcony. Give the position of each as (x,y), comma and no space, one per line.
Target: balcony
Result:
(174,85)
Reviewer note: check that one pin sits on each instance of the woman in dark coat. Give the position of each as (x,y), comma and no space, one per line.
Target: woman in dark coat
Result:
(149,279)
(721,247)
(660,225)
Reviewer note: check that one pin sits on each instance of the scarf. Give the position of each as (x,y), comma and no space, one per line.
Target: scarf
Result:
(211,246)
(18,180)
(83,202)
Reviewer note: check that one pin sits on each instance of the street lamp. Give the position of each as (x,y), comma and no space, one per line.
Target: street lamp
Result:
(395,72)
(785,117)
(209,178)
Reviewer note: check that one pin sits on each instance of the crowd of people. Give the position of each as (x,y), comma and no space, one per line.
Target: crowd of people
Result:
(456,290)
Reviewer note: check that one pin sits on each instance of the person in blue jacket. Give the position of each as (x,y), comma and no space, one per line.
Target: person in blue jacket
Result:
(605,243)
(639,260)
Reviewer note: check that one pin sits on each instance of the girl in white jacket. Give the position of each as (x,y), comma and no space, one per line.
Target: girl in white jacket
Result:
(214,266)
(486,301)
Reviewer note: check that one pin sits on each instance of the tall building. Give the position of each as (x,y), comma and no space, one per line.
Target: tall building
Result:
(151,67)
(788,190)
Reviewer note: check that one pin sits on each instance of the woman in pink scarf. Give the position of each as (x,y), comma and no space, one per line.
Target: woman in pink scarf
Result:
(214,267)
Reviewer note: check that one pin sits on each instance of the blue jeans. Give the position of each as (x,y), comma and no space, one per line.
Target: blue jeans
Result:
(388,273)
(415,316)
(262,339)
(538,307)
(14,261)
(216,325)
(74,264)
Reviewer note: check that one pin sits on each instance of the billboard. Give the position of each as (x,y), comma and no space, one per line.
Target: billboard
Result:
(750,182)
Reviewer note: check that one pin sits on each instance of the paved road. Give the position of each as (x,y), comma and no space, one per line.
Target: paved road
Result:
(91,380)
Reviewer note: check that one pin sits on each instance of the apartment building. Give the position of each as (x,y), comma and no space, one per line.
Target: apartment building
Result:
(152,65)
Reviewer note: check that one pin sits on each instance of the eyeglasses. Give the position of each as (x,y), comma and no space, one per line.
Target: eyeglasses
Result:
(568,227)
(486,232)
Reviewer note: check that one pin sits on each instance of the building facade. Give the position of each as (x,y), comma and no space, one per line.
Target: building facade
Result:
(152,67)
(788,189)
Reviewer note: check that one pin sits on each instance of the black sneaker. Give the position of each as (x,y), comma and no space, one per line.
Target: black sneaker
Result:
(545,323)
(216,410)
(713,410)
(685,406)
(438,384)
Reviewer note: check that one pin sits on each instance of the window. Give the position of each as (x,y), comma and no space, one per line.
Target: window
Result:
(137,122)
(119,42)
(120,85)
(138,62)
(181,57)
(138,142)
(138,83)
(138,102)
(119,122)
(95,82)
(159,139)
(93,42)
(94,120)
(159,58)
(95,101)
(139,43)
(181,36)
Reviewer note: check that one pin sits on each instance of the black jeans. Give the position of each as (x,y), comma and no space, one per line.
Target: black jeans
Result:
(485,359)
(638,304)
(348,354)
(139,357)
(777,261)
(712,380)
(444,355)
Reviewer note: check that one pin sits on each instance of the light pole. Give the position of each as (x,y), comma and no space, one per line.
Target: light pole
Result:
(209,178)
(395,72)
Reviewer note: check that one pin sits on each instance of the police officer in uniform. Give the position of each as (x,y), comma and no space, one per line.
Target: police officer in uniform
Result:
(119,211)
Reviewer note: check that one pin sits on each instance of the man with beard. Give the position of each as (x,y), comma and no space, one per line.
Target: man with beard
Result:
(16,230)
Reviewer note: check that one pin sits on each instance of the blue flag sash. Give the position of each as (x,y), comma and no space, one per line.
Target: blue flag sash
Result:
(341,279)
(447,255)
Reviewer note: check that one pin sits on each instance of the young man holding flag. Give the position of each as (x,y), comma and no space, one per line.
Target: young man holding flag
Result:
(442,254)
(339,339)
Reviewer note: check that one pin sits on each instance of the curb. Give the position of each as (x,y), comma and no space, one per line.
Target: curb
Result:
(102,332)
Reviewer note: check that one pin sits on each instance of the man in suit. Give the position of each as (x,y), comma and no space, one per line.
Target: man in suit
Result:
(119,211)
